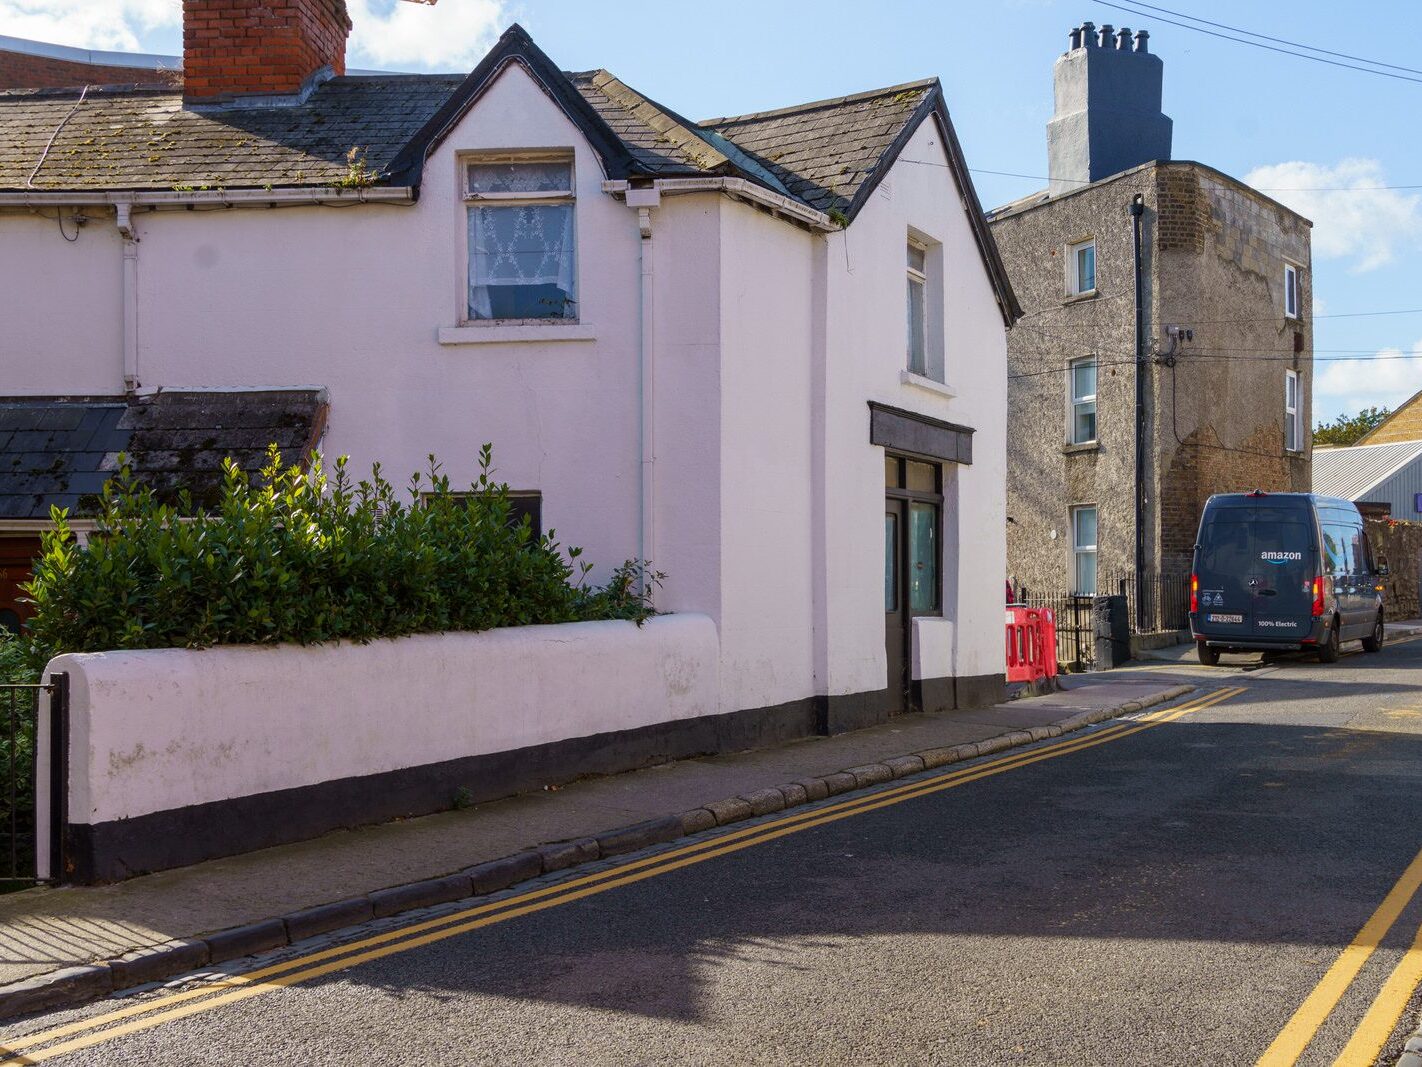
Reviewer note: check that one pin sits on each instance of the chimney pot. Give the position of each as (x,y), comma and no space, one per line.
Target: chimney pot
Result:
(1142,40)
(1075,37)
(1107,116)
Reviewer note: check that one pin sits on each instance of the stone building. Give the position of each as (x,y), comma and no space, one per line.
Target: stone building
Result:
(1404,424)
(1157,293)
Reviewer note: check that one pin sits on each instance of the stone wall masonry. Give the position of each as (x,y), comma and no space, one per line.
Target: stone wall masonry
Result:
(1218,411)
(1046,476)
(1400,543)
(1214,254)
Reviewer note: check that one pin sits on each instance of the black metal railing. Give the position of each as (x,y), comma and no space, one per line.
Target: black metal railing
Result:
(19,722)
(20,710)
(1076,639)
(1155,602)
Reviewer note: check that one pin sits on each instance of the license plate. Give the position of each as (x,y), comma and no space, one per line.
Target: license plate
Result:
(1224,618)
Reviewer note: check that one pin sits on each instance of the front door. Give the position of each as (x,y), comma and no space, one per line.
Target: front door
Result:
(912,554)
(16,557)
(897,642)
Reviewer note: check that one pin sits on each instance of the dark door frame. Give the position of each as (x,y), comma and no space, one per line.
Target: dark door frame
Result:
(899,499)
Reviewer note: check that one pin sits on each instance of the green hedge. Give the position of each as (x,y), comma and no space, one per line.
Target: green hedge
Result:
(300,555)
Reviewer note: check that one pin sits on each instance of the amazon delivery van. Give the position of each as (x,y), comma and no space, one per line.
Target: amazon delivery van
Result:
(1283,571)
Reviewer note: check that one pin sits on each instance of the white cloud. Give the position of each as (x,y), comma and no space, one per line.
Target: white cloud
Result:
(116,25)
(1346,386)
(396,34)
(454,35)
(1353,219)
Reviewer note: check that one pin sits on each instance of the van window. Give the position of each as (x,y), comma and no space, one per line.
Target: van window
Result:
(1337,548)
(1238,543)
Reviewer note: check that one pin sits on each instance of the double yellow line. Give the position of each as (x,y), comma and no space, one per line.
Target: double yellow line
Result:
(109,1026)
(1381,1018)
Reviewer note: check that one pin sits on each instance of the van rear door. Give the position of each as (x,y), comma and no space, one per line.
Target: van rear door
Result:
(1254,568)
(1222,568)
(1282,571)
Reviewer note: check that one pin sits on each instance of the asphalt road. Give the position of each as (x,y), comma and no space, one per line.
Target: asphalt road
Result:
(1173,889)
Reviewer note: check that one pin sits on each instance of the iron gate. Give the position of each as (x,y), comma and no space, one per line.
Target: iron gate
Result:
(20,710)
(1076,638)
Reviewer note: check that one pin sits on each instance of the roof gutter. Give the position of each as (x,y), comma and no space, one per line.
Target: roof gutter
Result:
(737,189)
(156,198)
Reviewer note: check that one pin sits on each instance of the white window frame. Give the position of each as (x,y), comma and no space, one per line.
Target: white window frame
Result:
(463,161)
(1073,277)
(920,277)
(1293,426)
(1292,292)
(1078,550)
(1074,401)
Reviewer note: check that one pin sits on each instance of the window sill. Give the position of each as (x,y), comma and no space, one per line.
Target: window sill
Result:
(500,333)
(928,385)
(1077,298)
(1084,446)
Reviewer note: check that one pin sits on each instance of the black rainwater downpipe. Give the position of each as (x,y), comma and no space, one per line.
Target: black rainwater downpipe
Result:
(1137,210)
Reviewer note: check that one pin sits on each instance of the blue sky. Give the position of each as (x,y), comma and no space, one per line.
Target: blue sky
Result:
(1285,123)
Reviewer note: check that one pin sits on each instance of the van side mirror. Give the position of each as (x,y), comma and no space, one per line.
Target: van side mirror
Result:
(1382,567)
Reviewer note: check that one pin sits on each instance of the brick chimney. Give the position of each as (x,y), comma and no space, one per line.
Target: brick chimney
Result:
(242,47)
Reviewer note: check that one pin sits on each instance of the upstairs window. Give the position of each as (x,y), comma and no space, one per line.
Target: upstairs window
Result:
(1082,387)
(917,309)
(1291,291)
(1081,268)
(1293,427)
(522,238)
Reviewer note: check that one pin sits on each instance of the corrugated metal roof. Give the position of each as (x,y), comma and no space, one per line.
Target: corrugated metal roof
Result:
(1352,472)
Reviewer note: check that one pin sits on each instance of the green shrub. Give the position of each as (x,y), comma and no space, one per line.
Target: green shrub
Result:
(15,666)
(302,556)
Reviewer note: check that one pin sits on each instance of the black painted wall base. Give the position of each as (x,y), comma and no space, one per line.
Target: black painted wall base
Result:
(111,851)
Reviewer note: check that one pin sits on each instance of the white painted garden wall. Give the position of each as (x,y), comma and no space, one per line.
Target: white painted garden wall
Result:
(168,729)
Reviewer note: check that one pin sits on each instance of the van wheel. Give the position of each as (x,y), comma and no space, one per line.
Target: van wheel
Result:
(1210,657)
(1328,651)
(1374,641)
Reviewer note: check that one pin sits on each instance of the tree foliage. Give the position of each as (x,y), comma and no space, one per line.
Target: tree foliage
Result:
(1348,429)
(300,555)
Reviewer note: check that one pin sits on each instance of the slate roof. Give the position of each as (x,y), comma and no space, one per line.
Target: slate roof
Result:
(1352,472)
(61,451)
(137,138)
(828,154)
(825,151)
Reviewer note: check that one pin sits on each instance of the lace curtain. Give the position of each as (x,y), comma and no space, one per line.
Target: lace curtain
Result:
(527,247)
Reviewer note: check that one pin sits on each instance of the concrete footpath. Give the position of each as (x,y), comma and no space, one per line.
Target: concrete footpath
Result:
(63,946)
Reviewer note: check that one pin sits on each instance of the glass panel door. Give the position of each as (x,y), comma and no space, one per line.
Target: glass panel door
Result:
(923,557)
(891,562)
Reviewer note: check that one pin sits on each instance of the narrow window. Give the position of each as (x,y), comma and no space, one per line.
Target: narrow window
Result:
(1083,543)
(1293,437)
(1081,268)
(522,244)
(917,309)
(1082,386)
(1291,291)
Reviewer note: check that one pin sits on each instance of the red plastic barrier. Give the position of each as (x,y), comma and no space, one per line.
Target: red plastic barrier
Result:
(1031,644)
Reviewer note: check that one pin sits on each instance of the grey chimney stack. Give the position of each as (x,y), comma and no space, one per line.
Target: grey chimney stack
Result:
(1108,114)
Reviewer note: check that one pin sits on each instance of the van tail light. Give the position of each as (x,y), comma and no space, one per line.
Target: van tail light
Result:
(1317,597)
(1194,592)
